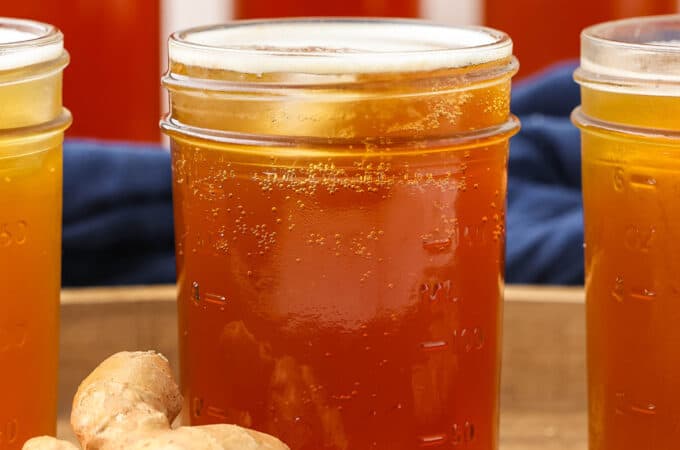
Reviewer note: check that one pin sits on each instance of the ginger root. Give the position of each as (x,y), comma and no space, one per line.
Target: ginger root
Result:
(129,402)
(48,443)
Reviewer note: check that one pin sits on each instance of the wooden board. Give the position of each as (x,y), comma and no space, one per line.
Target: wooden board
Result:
(543,375)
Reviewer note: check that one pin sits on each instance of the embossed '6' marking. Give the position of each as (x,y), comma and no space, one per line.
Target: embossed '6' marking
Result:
(13,233)
(619,179)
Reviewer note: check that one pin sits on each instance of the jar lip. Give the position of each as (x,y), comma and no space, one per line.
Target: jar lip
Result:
(336,46)
(26,42)
(614,32)
(640,55)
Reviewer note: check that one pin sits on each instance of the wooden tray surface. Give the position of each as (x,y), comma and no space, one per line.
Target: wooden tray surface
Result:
(543,377)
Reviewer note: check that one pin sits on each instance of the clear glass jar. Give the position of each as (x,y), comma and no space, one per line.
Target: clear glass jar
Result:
(32,123)
(630,87)
(339,193)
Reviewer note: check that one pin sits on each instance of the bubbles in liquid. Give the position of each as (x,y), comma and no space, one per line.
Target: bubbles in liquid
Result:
(265,239)
(316,239)
(374,234)
(222,246)
(358,248)
(365,276)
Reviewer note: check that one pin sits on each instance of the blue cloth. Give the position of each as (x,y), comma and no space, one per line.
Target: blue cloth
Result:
(118,222)
(544,218)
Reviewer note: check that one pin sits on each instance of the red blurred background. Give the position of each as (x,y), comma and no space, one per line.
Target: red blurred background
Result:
(253,9)
(112,84)
(546,31)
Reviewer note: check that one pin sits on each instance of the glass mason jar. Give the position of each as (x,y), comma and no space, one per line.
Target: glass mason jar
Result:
(630,87)
(339,193)
(32,124)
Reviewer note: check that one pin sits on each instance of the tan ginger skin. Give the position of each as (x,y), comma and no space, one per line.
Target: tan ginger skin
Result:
(129,402)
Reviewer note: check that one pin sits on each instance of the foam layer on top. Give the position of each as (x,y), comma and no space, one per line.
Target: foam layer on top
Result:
(8,36)
(337,46)
(24,43)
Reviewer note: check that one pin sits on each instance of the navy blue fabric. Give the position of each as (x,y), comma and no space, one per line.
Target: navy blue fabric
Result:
(544,218)
(118,223)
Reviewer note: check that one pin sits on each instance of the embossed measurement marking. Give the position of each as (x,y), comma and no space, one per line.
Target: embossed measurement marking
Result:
(13,233)
(432,440)
(207,297)
(621,292)
(636,181)
(465,340)
(642,181)
(639,238)
(460,436)
(432,346)
(437,290)
(8,432)
(217,413)
(198,409)
(625,406)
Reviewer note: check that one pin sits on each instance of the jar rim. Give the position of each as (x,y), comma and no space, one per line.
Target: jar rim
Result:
(26,42)
(336,46)
(638,55)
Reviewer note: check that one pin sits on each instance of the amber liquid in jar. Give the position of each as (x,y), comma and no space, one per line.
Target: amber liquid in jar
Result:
(632,216)
(631,183)
(32,122)
(30,250)
(344,290)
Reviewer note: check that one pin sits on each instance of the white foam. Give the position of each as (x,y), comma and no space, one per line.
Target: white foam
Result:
(8,36)
(21,48)
(339,47)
